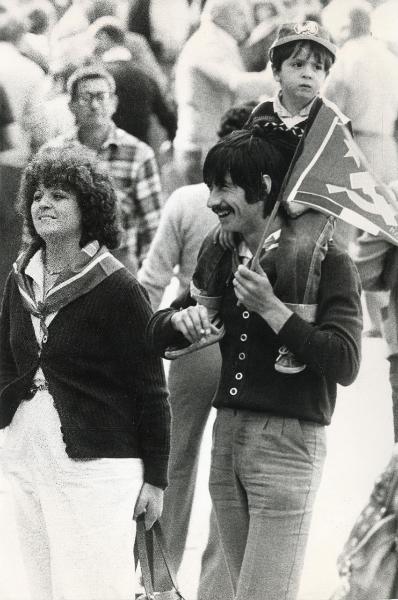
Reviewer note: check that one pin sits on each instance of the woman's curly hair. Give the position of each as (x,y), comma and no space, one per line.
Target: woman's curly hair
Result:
(74,170)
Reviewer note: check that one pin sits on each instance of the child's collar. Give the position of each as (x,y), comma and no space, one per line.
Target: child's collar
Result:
(283,112)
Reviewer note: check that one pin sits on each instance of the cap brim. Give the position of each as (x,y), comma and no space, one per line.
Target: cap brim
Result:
(302,38)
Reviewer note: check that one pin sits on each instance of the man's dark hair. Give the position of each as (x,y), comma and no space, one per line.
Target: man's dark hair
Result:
(74,170)
(245,156)
(89,72)
(291,49)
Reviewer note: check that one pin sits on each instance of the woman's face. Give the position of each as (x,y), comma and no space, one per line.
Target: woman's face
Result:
(56,214)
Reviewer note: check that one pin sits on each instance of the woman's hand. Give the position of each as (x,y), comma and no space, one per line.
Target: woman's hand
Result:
(150,502)
(193,322)
(253,289)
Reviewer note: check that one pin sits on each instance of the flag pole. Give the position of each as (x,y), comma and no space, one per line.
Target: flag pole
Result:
(256,258)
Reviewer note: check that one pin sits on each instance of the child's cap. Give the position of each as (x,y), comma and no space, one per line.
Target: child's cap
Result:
(307,31)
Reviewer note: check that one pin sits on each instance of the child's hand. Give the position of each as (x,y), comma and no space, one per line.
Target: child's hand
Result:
(224,238)
(193,322)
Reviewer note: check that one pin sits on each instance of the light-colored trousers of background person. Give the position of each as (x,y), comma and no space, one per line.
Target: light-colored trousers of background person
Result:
(264,476)
(192,383)
(74,518)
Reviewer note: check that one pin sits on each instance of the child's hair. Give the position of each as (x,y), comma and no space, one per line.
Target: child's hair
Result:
(291,49)
(245,156)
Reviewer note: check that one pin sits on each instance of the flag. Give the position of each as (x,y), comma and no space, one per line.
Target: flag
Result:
(331,175)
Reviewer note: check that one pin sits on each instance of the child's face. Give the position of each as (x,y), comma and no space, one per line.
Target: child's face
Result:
(300,77)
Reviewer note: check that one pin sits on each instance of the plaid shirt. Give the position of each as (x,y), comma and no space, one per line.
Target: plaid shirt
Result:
(134,172)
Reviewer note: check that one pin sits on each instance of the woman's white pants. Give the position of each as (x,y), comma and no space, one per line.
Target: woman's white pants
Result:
(74,518)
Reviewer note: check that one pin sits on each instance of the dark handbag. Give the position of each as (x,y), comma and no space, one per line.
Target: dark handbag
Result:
(368,564)
(152,540)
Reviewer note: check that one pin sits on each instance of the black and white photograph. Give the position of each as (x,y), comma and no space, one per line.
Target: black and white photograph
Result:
(198,299)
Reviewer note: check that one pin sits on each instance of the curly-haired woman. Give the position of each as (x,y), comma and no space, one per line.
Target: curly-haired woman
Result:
(84,402)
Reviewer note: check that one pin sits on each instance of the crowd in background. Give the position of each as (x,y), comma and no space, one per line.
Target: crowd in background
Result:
(177,71)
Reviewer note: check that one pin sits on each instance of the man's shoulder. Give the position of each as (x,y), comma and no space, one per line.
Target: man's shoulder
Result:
(195,195)
(64,140)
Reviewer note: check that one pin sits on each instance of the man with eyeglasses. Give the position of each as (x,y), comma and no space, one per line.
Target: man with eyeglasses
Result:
(130,162)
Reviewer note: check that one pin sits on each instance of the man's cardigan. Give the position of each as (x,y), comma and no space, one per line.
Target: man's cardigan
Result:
(108,389)
(331,348)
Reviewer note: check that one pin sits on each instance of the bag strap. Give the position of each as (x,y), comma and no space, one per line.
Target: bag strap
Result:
(161,541)
(143,557)
(142,548)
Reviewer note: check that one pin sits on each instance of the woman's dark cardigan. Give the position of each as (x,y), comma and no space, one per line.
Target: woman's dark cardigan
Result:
(108,388)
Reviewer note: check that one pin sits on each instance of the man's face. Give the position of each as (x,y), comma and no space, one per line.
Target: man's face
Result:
(94,103)
(234,212)
(300,77)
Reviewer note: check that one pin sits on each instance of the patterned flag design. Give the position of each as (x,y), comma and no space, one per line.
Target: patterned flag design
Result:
(332,175)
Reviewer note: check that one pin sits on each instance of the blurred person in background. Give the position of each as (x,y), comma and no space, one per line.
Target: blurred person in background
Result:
(171,27)
(40,17)
(139,96)
(25,85)
(210,77)
(60,117)
(9,222)
(8,138)
(385,23)
(364,85)
(165,27)
(68,40)
(377,262)
(130,162)
(193,378)
(141,53)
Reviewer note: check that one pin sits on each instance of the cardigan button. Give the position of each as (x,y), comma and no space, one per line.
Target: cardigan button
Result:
(242,356)
(245,314)
(238,376)
(233,391)
(243,337)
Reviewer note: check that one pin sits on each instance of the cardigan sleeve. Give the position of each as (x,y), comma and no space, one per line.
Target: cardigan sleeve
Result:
(332,347)
(8,367)
(160,334)
(145,380)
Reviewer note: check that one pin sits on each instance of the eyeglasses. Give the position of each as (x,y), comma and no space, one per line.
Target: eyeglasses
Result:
(88,97)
